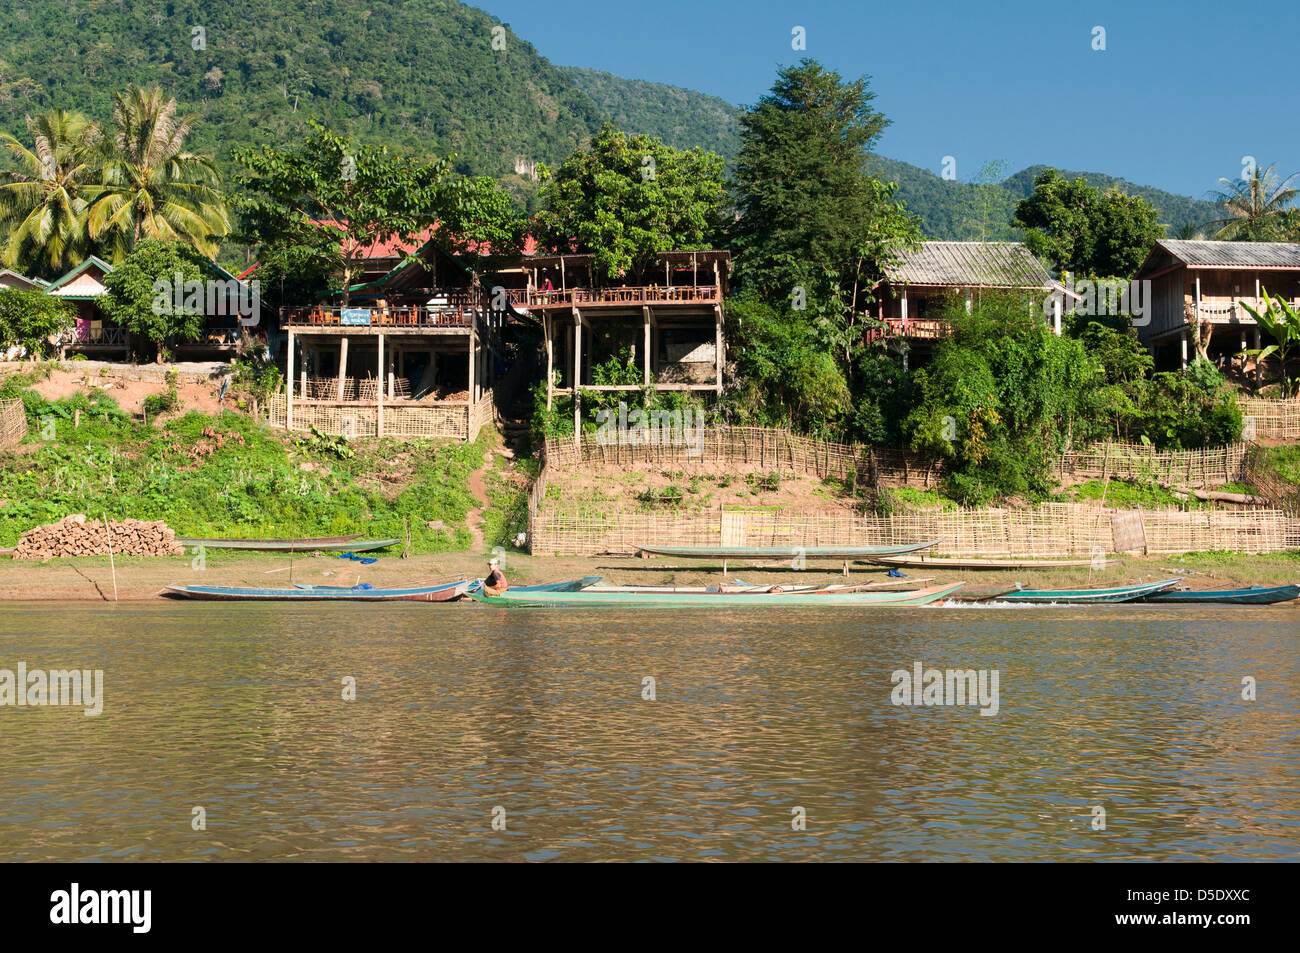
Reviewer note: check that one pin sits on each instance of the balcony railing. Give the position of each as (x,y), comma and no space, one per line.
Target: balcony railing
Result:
(98,337)
(926,329)
(636,294)
(1225,310)
(457,312)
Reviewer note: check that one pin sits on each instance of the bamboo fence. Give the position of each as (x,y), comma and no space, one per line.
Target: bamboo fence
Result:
(748,449)
(13,423)
(1052,530)
(1207,467)
(399,421)
(1271,419)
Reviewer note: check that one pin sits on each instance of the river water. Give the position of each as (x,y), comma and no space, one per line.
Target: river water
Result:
(488,734)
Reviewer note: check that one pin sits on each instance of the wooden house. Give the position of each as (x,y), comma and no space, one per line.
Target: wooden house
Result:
(93,334)
(671,330)
(921,283)
(1198,288)
(11,279)
(409,356)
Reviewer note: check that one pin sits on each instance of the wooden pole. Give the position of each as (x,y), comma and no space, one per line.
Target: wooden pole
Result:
(288,385)
(343,366)
(379,390)
(111,565)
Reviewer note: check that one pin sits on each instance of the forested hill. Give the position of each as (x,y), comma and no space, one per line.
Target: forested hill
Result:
(964,211)
(680,117)
(422,76)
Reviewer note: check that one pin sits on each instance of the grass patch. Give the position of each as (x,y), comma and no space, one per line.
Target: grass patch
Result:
(226,475)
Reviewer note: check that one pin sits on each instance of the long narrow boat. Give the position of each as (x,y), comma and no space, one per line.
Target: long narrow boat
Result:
(1090,596)
(572,585)
(715,600)
(738,588)
(786,552)
(1252,596)
(445,592)
(727,588)
(332,544)
(926,561)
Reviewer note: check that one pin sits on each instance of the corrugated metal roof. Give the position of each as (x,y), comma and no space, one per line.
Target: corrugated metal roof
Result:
(991,264)
(1208,254)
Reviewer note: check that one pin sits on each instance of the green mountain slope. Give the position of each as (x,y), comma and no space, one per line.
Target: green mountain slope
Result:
(680,117)
(419,75)
(960,211)
(422,76)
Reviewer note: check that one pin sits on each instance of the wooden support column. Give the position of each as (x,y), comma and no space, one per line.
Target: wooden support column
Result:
(577,376)
(343,366)
(288,388)
(645,355)
(550,358)
(379,389)
(473,356)
(717,311)
(390,373)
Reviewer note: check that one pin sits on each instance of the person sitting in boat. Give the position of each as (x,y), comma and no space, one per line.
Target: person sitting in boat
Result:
(495,583)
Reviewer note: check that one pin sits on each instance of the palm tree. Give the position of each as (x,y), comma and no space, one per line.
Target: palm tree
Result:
(1257,207)
(152,188)
(43,203)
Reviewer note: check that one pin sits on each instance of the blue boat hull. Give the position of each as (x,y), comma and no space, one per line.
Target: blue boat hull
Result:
(441,593)
(1253,596)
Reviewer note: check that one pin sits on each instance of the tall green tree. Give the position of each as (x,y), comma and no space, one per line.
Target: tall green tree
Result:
(152,187)
(322,205)
(43,202)
(1258,209)
(626,198)
(1075,227)
(28,316)
(132,298)
(815,225)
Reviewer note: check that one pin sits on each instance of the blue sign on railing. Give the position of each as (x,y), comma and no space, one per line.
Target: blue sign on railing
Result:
(354,316)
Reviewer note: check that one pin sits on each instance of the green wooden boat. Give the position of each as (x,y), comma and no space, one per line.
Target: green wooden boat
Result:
(715,600)
(785,552)
(1086,597)
(1251,596)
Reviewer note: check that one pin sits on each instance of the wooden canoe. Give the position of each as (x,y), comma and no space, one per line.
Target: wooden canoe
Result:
(1252,596)
(571,585)
(786,552)
(715,600)
(1090,596)
(926,561)
(353,544)
(444,592)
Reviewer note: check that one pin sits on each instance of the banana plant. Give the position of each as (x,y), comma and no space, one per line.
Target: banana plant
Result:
(1282,322)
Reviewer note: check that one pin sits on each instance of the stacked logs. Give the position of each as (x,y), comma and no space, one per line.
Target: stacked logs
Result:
(76,536)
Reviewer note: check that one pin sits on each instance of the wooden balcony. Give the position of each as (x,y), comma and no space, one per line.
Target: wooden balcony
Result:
(624,296)
(460,311)
(1225,310)
(915,329)
(84,337)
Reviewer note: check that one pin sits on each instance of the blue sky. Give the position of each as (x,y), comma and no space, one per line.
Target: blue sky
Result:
(1182,92)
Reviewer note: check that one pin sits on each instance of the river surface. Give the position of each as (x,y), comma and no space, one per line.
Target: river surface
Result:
(490,734)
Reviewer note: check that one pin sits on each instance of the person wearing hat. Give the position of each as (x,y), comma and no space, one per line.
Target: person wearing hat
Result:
(495,583)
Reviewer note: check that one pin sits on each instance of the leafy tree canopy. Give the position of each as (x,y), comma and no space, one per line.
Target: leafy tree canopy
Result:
(812,217)
(133,301)
(28,316)
(626,198)
(1077,228)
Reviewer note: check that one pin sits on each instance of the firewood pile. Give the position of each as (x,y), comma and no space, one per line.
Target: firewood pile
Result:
(76,536)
